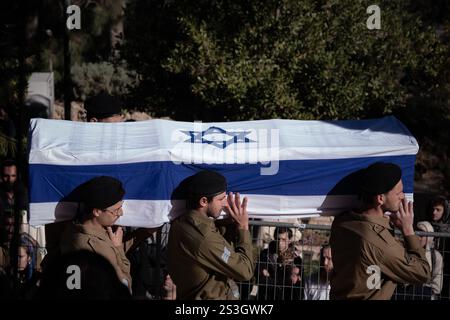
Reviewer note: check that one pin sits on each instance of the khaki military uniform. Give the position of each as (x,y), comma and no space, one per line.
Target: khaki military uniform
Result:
(359,242)
(202,263)
(79,237)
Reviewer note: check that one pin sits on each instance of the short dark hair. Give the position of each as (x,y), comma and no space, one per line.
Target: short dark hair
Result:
(438,201)
(323,247)
(281,230)
(298,262)
(8,163)
(192,201)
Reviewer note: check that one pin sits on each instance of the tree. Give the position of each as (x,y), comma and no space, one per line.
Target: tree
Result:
(94,43)
(222,60)
(91,78)
(18,27)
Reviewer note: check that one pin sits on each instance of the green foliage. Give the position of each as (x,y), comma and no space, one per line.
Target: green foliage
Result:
(282,59)
(92,78)
(8,82)
(9,55)
(8,146)
(91,44)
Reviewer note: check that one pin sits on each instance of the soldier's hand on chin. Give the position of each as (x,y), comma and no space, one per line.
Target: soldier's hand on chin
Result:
(404,218)
(116,237)
(237,210)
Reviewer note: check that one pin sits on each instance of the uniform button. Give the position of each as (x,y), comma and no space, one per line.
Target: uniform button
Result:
(377,228)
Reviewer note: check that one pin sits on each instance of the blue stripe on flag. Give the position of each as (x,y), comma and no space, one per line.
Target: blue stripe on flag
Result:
(156,180)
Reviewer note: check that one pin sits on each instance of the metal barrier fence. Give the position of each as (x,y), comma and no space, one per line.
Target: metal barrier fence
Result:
(299,273)
(287,261)
(313,280)
(291,263)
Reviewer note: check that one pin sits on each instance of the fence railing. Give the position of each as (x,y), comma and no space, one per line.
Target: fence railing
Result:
(290,264)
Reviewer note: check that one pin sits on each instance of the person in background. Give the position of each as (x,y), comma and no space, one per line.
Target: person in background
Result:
(12,191)
(438,216)
(434,259)
(317,285)
(103,108)
(279,268)
(432,289)
(27,260)
(6,235)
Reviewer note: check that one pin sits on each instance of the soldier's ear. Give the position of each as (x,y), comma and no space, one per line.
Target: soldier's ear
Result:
(96,212)
(379,198)
(203,202)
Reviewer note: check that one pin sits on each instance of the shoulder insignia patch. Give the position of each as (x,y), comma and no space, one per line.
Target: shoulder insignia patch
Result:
(226,254)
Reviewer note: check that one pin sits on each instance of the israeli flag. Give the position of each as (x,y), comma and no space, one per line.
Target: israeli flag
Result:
(287,168)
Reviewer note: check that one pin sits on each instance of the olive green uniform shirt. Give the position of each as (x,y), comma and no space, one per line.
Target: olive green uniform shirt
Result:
(79,237)
(360,244)
(202,263)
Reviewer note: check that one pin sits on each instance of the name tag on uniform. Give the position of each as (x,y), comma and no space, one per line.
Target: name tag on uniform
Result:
(226,254)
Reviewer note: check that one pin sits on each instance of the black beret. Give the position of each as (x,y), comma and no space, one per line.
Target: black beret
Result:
(206,183)
(102,192)
(380,177)
(102,106)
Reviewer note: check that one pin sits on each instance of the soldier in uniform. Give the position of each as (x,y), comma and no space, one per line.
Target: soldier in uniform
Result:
(201,262)
(102,199)
(368,260)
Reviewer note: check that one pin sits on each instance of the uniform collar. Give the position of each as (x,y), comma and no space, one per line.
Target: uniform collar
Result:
(101,234)
(382,221)
(200,218)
